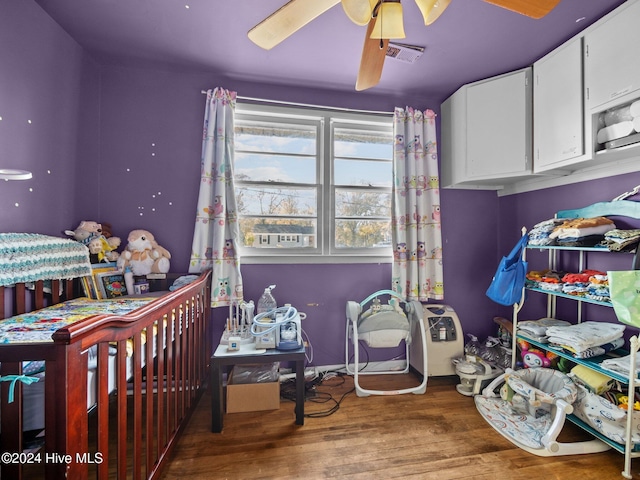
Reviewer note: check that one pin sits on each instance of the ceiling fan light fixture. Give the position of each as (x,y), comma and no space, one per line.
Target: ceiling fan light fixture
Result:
(389,21)
(432,9)
(359,11)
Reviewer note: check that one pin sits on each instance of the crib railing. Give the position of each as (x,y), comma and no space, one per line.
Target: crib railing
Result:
(151,367)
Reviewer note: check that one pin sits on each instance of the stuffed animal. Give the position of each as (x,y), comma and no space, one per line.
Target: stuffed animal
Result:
(85,232)
(144,255)
(101,248)
(534,357)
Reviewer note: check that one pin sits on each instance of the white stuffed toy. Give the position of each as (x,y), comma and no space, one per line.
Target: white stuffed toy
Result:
(144,255)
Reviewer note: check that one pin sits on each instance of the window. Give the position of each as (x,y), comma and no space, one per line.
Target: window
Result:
(313,183)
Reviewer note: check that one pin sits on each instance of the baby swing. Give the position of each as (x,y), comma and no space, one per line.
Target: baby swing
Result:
(530,411)
(384,326)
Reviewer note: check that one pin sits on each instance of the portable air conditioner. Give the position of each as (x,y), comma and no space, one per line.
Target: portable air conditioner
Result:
(445,341)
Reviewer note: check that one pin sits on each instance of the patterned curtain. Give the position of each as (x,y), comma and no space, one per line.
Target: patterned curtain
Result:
(216,233)
(415,222)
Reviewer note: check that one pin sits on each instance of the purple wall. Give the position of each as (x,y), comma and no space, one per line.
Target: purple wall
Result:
(123,146)
(48,106)
(150,126)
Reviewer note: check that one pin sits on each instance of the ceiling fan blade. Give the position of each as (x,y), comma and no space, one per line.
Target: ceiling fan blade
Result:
(432,9)
(531,9)
(372,60)
(359,11)
(287,20)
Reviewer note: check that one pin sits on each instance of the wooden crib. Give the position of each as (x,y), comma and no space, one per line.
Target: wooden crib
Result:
(144,390)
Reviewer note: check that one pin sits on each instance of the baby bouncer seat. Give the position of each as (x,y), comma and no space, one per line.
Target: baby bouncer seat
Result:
(530,411)
(384,326)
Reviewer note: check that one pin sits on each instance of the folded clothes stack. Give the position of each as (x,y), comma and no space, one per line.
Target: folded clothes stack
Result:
(618,240)
(548,280)
(571,232)
(584,340)
(539,234)
(599,288)
(620,365)
(582,232)
(592,284)
(537,329)
(587,339)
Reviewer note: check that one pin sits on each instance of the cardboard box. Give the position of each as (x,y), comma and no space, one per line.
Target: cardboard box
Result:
(252,397)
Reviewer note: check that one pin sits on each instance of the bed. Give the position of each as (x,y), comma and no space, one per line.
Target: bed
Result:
(117,402)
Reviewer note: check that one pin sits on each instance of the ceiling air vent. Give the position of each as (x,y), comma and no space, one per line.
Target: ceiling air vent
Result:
(404,53)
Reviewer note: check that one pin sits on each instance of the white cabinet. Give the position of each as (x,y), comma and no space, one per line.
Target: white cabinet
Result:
(486,132)
(612,58)
(558,109)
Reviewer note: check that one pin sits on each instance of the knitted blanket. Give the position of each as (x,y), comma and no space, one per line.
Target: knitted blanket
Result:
(28,257)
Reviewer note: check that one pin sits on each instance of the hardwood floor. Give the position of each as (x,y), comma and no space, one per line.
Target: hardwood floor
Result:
(438,435)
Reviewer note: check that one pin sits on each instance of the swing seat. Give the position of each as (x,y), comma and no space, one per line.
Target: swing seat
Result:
(383,326)
(530,411)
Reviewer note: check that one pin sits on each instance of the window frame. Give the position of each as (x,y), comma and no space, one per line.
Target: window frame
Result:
(326,120)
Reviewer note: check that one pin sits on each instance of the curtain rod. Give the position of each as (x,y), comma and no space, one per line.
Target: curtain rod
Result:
(306,105)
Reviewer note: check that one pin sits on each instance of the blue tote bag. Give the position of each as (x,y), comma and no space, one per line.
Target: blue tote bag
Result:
(508,281)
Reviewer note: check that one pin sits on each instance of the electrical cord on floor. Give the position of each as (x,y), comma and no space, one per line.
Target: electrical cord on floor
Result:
(288,392)
(365,351)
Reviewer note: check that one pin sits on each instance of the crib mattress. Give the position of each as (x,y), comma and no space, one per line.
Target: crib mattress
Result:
(33,394)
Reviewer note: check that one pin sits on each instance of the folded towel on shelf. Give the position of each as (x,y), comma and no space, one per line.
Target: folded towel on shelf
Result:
(582,230)
(564,232)
(539,327)
(620,365)
(595,382)
(585,335)
(598,350)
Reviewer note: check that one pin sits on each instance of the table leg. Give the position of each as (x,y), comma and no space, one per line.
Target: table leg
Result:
(300,392)
(217,403)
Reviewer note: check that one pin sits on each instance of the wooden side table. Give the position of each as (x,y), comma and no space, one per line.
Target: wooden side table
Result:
(219,361)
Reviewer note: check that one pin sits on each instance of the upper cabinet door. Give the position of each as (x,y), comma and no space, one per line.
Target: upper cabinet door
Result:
(612,61)
(558,113)
(499,127)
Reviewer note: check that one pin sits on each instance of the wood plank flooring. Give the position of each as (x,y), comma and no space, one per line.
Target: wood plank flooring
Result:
(438,435)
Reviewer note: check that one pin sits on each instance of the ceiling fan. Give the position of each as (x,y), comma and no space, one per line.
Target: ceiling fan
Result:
(383,19)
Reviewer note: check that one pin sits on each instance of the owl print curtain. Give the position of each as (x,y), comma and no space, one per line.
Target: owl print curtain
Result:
(216,233)
(415,221)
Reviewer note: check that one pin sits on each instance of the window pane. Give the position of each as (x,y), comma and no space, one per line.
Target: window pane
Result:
(358,203)
(362,172)
(278,233)
(354,143)
(274,168)
(274,137)
(261,200)
(363,233)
